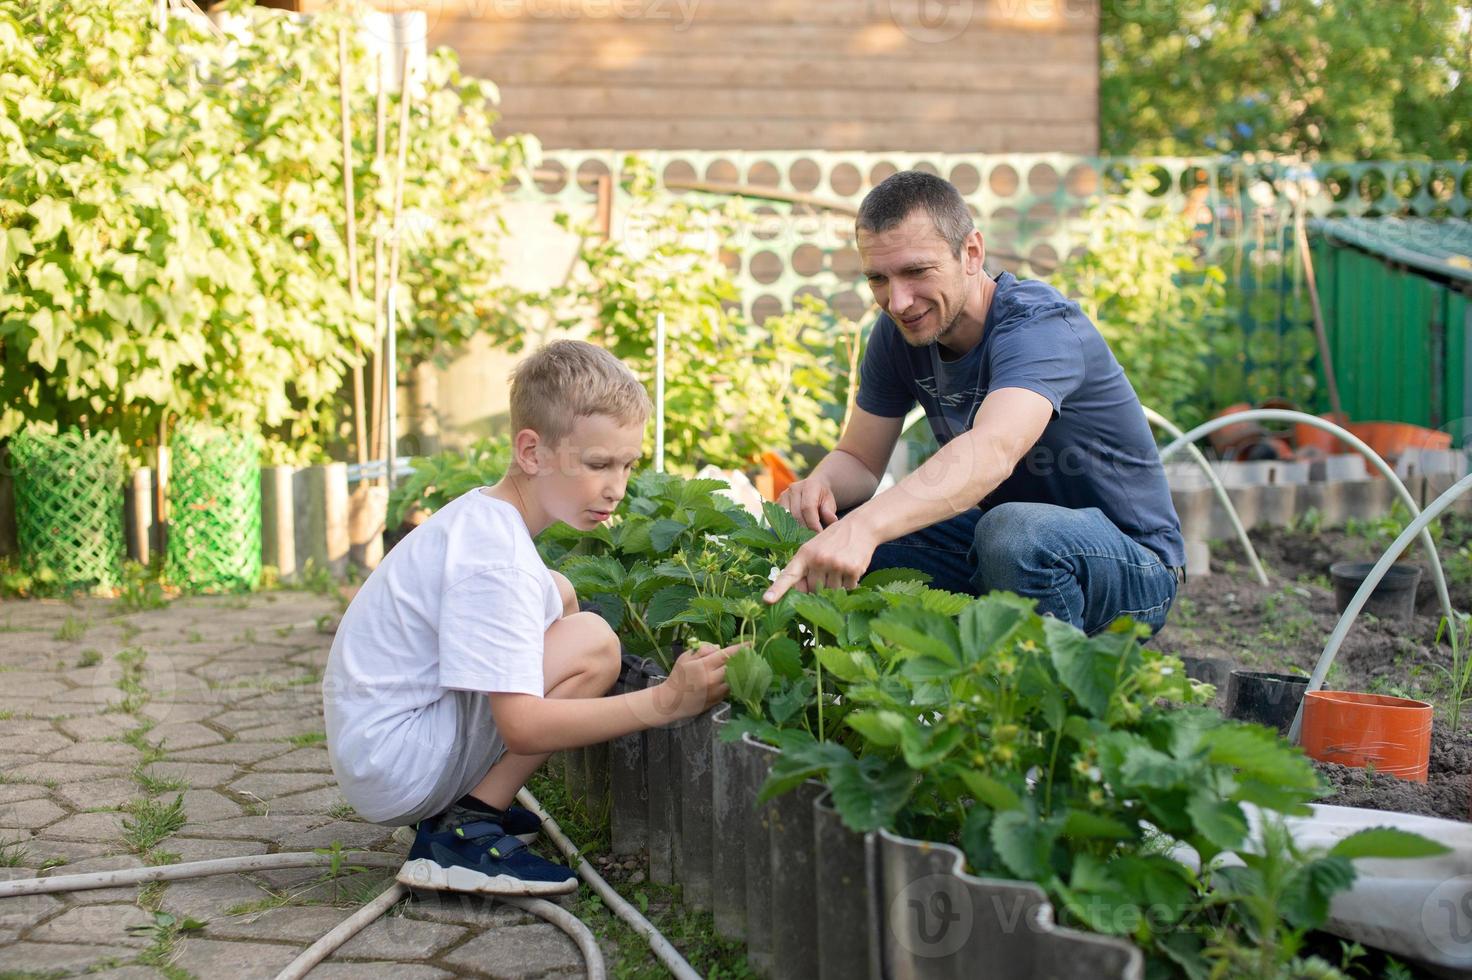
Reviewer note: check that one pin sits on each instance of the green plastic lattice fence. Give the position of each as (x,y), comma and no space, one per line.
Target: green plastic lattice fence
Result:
(69,506)
(214,511)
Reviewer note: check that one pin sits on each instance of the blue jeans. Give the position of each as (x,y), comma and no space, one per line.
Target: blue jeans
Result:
(1075,563)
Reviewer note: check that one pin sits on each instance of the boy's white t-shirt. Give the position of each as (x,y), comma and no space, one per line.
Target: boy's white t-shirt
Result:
(462,602)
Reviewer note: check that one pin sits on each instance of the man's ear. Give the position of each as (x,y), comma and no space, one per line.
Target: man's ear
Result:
(974,253)
(526,451)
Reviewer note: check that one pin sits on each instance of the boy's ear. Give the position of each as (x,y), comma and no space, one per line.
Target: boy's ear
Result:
(526,451)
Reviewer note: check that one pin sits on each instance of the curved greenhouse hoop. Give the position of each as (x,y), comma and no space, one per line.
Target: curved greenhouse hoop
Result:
(1160,421)
(1362,595)
(1374,458)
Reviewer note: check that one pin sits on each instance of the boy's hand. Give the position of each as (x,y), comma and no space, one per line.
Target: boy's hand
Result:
(696,682)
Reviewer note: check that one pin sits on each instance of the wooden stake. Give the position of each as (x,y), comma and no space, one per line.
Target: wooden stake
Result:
(1320,333)
(380,127)
(390,367)
(360,428)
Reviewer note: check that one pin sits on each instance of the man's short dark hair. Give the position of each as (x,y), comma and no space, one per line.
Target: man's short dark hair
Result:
(897,197)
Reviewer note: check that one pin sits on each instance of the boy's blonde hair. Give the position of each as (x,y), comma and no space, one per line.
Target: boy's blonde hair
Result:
(569,378)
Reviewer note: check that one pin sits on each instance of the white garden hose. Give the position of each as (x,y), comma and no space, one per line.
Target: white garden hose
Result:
(1284,415)
(1156,419)
(660,946)
(1362,595)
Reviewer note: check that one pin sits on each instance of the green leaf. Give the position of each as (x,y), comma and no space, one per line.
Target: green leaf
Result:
(882,728)
(1082,825)
(887,576)
(1024,844)
(793,699)
(849,666)
(1220,821)
(986,624)
(1259,754)
(1387,842)
(918,631)
(1147,767)
(870,792)
(991,791)
(926,746)
(750,677)
(784,525)
(1090,667)
(785,656)
(667,603)
(664,532)
(1309,889)
(818,612)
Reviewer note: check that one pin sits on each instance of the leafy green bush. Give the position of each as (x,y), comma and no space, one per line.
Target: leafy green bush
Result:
(171,213)
(733,389)
(1158,306)
(440,478)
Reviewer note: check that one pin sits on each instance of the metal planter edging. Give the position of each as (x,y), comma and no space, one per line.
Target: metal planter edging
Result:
(848,947)
(728,858)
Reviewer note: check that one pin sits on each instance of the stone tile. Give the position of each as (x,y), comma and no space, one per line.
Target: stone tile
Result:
(480,913)
(23,726)
(95,925)
(517,952)
(17,792)
(196,706)
(99,754)
(269,785)
(32,743)
(275,732)
(127,973)
(43,849)
(313,758)
(315,801)
(60,772)
(95,793)
(196,774)
(351,834)
(29,815)
(244,719)
(90,827)
(272,829)
(300,697)
(210,898)
(394,937)
(376,970)
(235,753)
(23,911)
(205,805)
(202,849)
(97,727)
(46,958)
(237,960)
(178,734)
(302,924)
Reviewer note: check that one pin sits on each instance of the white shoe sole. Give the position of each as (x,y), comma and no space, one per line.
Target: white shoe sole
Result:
(428,875)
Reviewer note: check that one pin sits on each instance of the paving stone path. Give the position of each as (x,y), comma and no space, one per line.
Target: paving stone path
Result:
(108,717)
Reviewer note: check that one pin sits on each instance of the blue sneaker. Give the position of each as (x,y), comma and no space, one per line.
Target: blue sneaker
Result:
(479,856)
(521,823)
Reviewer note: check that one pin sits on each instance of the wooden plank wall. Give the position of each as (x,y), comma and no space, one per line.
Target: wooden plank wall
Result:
(959,76)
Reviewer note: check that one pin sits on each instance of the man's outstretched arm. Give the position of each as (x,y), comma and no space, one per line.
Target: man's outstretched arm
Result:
(848,475)
(1008,424)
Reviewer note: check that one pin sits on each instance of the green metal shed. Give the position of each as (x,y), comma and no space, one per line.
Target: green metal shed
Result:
(1397,300)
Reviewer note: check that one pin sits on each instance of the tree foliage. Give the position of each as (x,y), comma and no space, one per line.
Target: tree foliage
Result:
(1331,79)
(171,211)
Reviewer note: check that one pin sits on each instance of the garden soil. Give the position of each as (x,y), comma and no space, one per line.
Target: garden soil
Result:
(1229,618)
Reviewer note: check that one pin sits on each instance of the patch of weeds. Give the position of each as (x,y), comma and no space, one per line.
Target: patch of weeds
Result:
(151,895)
(141,589)
(128,629)
(1318,580)
(194,636)
(341,811)
(153,821)
(155,858)
(72,628)
(1286,617)
(135,696)
(249,636)
(308,738)
(54,862)
(164,932)
(324,622)
(1310,521)
(285,631)
(89,658)
(692,933)
(13,853)
(158,785)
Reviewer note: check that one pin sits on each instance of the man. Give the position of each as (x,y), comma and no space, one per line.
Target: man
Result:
(1047,482)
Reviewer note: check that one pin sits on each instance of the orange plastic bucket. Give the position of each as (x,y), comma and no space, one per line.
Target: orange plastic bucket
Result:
(1361,730)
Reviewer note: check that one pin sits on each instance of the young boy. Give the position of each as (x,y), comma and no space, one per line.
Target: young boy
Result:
(463,662)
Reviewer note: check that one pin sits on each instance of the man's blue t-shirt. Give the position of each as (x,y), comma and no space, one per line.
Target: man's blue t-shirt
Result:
(1096,452)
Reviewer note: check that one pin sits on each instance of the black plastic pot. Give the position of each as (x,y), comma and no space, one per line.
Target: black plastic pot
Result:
(848,925)
(728,819)
(629,789)
(1394,596)
(1265,697)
